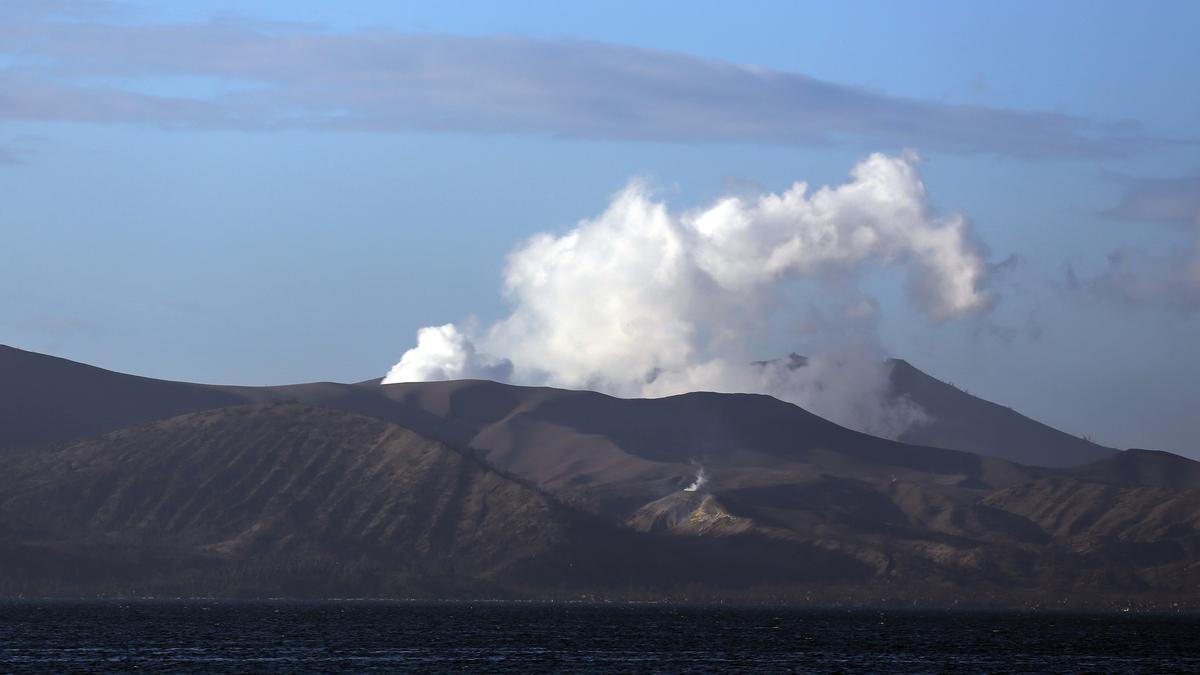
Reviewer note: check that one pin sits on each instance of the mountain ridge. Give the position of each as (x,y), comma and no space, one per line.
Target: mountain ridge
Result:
(269,498)
(966,422)
(33,410)
(475,489)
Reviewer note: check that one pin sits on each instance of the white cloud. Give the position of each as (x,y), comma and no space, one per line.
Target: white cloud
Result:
(643,301)
(444,353)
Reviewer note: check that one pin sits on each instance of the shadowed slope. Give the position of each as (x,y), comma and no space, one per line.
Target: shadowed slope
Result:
(298,500)
(309,499)
(618,454)
(260,484)
(614,454)
(963,422)
(45,399)
(1143,467)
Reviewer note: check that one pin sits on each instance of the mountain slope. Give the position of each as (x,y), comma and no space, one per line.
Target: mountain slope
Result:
(45,399)
(964,422)
(262,483)
(303,501)
(478,489)
(618,454)
(1143,467)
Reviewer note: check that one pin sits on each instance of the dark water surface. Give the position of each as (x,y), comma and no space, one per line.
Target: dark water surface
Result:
(389,636)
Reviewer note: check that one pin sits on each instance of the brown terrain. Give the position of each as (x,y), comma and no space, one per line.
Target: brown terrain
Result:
(120,485)
(964,422)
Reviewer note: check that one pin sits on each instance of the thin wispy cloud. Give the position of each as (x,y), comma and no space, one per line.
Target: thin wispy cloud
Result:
(1170,281)
(1163,200)
(1132,276)
(67,62)
(17,149)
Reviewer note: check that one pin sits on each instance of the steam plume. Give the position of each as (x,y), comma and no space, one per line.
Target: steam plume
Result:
(641,301)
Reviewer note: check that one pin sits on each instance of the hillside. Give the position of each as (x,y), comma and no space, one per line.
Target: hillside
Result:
(300,501)
(1143,467)
(291,493)
(964,422)
(479,489)
(45,399)
(617,454)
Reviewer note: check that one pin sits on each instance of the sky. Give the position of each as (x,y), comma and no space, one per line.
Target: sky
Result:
(280,192)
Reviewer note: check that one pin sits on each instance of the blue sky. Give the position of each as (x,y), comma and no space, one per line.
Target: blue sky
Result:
(167,214)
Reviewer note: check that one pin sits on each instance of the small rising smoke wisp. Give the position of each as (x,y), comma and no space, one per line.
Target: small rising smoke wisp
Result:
(698,484)
(643,301)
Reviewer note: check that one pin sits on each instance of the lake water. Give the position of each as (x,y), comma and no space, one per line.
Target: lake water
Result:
(390,636)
